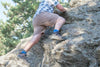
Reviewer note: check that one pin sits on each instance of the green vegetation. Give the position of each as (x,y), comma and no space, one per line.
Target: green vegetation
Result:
(18,26)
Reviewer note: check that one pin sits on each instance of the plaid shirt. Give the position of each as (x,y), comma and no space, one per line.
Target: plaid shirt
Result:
(46,6)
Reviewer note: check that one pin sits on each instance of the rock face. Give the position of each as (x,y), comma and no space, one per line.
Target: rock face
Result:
(81,47)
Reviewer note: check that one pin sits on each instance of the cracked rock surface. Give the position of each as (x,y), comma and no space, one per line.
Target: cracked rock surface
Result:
(81,47)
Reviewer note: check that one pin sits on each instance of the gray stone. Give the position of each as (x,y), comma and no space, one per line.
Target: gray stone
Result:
(81,47)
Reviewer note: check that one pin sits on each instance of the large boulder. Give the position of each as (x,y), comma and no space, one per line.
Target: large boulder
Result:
(80,47)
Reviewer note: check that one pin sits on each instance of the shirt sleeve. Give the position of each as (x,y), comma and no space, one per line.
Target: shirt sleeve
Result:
(54,2)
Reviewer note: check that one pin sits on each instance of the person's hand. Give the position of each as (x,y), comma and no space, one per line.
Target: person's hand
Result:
(64,13)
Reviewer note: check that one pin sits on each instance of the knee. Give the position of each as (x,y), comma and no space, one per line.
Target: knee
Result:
(61,19)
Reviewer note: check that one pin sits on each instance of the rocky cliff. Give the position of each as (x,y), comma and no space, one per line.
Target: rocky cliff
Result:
(81,47)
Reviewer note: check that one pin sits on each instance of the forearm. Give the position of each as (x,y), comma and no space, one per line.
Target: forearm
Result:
(61,8)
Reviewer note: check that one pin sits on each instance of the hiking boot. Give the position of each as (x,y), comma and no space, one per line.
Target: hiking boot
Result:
(56,36)
(21,55)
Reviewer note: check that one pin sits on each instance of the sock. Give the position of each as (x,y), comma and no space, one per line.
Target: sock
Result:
(23,52)
(55,30)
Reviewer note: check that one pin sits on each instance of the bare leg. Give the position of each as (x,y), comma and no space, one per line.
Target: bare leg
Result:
(32,42)
(59,23)
(36,37)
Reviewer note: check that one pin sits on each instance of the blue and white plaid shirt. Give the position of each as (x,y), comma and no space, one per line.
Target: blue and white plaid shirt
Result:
(46,6)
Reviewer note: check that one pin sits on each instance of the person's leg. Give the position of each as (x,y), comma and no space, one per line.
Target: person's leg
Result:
(51,19)
(32,42)
(38,31)
(59,23)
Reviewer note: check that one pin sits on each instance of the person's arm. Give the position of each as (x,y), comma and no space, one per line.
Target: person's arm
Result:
(61,8)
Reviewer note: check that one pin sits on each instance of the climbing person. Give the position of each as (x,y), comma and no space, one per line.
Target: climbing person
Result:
(43,18)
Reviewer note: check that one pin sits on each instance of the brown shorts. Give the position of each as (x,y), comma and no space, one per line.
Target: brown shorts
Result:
(44,19)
